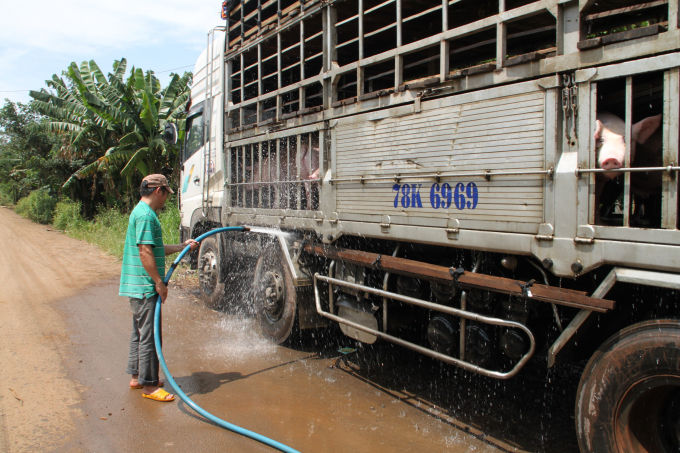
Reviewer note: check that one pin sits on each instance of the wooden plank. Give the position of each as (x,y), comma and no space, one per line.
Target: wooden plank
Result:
(627,9)
(527,57)
(621,36)
(466,279)
(422,13)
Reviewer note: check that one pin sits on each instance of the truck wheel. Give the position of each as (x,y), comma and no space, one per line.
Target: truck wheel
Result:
(210,272)
(628,398)
(274,296)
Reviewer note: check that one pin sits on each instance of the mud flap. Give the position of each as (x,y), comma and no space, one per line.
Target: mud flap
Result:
(355,314)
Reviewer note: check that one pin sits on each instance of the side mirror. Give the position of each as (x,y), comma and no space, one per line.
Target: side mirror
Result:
(170,133)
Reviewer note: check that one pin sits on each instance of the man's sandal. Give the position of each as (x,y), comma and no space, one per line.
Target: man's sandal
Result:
(159,395)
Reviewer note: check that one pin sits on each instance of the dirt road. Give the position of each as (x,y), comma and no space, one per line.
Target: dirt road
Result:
(39,266)
(62,384)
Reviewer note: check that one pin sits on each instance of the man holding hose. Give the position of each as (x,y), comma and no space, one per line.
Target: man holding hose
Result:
(141,279)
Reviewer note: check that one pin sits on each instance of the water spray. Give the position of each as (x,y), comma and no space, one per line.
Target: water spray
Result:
(178,391)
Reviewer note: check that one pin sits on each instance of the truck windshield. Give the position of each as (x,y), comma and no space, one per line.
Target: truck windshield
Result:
(194,136)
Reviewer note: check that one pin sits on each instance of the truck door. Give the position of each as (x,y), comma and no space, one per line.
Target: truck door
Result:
(191,188)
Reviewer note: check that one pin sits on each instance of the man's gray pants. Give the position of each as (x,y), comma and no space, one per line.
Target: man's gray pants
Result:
(142,360)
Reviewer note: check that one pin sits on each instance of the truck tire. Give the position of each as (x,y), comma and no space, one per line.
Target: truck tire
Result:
(628,398)
(211,272)
(275,297)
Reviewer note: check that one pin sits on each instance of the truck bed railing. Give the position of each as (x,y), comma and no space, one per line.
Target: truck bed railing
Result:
(669,169)
(431,306)
(488,174)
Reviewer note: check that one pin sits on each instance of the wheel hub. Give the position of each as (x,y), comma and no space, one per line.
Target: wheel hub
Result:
(208,272)
(273,295)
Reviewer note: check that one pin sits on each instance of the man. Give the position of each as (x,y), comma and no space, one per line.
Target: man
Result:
(141,279)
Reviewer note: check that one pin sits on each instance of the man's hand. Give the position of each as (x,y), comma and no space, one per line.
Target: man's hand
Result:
(176,248)
(162,290)
(194,245)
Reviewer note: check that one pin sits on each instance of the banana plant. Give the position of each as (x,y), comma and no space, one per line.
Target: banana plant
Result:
(112,123)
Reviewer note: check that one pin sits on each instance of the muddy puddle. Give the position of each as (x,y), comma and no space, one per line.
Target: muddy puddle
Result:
(377,398)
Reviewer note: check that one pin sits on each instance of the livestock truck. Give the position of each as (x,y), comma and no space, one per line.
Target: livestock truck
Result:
(491,183)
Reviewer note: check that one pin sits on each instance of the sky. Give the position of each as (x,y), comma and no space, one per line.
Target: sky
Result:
(39,38)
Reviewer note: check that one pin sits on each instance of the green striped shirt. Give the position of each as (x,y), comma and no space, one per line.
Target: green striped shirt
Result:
(143,228)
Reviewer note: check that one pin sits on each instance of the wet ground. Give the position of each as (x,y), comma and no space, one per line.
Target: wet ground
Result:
(310,397)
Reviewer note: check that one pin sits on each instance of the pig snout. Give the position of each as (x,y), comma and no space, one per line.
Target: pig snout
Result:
(611,148)
(611,164)
(609,135)
(611,153)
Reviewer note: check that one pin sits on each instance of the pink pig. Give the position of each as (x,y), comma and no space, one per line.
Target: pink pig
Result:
(284,168)
(645,152)
(609,136)
(309,170)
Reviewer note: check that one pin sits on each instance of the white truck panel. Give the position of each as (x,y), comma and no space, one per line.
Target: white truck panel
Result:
(498,133)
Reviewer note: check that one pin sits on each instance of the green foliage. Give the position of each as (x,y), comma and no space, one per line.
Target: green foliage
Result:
(89,139)
(28,158)
(619,29)
(5,199)
(67,216)
(108,228)
(113,125)
(38,206)
(170,219)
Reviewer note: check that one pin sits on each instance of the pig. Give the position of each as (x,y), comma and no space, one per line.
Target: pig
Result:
(281,167)
(609,137)
(645,152)
(309,171)
(262,174)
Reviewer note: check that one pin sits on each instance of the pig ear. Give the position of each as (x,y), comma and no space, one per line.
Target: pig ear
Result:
(598,129)
(644,128)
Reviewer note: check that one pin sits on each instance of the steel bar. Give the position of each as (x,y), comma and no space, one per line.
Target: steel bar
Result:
(429,305)
(485,174)
(668,168)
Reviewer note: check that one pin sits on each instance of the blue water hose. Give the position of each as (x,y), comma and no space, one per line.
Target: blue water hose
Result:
(178,391)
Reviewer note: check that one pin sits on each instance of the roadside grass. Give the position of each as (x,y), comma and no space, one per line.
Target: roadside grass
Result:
(38,206)
(107,229)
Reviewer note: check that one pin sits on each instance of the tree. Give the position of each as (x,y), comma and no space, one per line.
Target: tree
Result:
(28,156)
(114,125)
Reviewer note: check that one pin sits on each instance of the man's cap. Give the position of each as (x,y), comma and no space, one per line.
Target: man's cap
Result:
(157,180)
